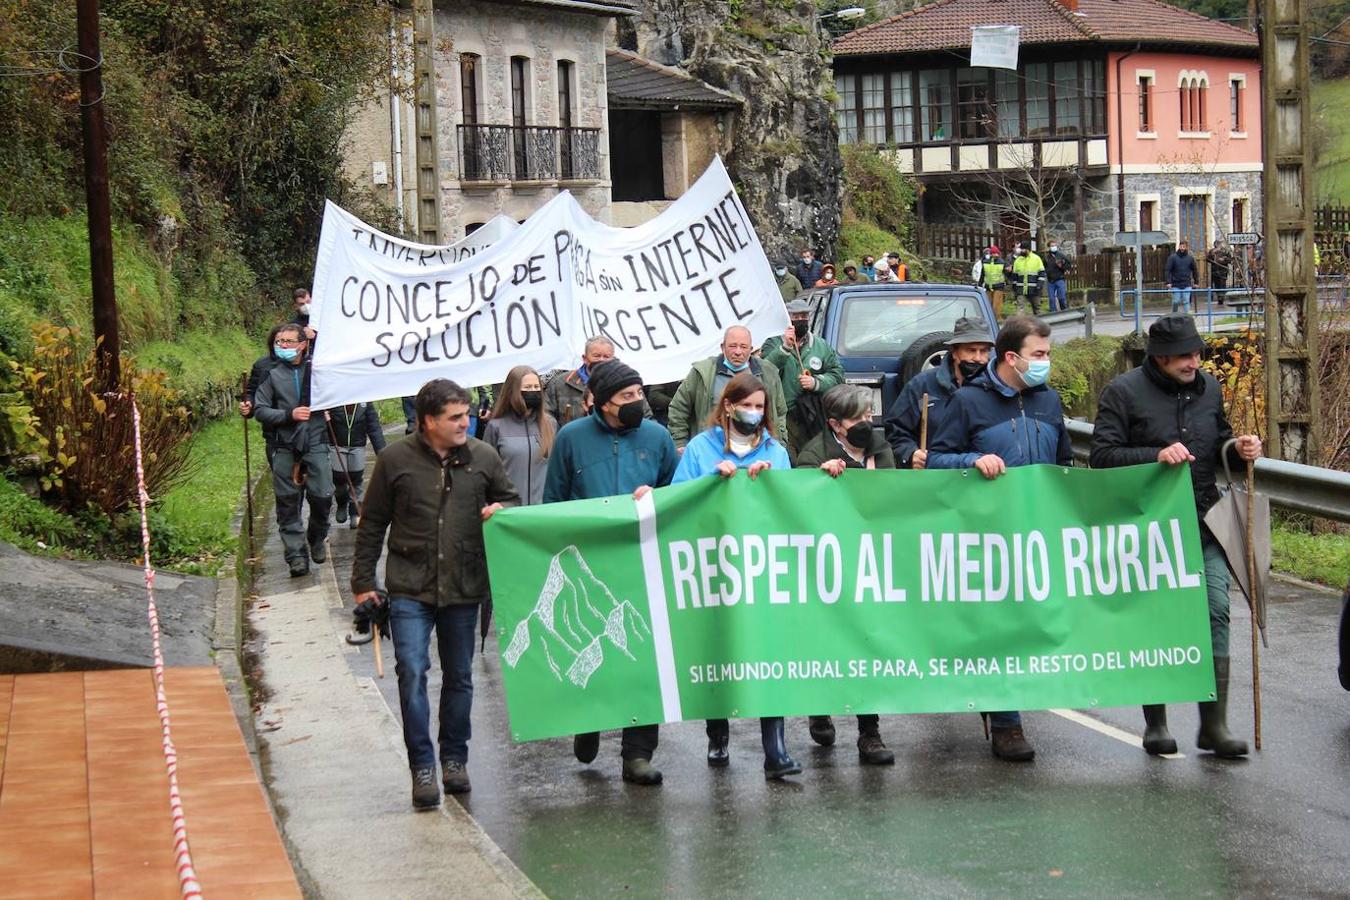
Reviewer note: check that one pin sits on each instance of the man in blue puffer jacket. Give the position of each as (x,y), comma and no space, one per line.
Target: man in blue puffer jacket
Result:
(1006,416)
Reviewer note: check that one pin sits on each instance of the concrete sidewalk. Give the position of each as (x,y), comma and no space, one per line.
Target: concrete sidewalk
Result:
(334,762)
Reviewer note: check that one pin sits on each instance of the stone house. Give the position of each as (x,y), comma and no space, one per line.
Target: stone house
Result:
(1121,115)
(502,104)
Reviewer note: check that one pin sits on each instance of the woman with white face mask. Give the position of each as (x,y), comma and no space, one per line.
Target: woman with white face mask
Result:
(740,436)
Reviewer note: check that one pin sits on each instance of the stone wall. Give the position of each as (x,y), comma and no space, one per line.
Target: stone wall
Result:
(1220,187)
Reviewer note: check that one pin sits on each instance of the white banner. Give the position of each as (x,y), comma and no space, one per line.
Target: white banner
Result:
(340,225)
(663,292)
(994,46)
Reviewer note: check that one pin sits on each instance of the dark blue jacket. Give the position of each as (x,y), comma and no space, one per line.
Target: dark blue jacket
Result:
(590,459)
(986,416)
(1181,270)
(808,274)
(903,422)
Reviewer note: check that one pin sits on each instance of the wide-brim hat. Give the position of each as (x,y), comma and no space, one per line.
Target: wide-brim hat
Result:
(798,306)
(970,331)
(1174,335)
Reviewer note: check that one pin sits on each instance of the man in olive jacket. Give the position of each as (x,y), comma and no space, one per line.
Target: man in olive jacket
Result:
(1170,411)
(432,492)
(702,387)
(809,367)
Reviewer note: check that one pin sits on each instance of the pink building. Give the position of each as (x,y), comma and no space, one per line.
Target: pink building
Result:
(1121,115)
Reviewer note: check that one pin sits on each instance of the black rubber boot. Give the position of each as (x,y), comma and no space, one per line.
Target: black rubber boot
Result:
(586,746)
(1157,739)
(777,763)
(1214,734)
(822,730)
(719,734)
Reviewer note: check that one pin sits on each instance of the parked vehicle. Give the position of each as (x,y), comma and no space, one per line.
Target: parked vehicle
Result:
(885,334)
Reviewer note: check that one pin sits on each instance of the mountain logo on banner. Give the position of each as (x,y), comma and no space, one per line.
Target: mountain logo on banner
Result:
(575,616)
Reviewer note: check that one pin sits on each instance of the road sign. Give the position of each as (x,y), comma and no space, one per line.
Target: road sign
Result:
(1141,238)
(1244,238)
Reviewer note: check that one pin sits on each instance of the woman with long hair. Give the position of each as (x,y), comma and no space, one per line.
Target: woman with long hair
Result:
(522,433)
(740,436)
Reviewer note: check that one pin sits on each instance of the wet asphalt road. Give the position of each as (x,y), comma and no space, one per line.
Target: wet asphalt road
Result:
(1091,816)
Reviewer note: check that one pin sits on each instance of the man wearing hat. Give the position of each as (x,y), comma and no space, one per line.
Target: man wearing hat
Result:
(970,344)
(643,457)
(1171,411)
(788,285)
(809,367)
(852,275)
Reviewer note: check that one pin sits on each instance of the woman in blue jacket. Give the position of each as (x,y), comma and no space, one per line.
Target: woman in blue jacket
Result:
(740,436)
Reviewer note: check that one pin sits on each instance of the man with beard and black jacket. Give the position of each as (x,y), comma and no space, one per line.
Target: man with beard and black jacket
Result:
(969,345)
(300,464)
(613,451)
(1171,411)
(1006,416)
(261,366)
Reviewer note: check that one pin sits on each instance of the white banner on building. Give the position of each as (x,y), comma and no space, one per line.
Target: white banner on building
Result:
(340,225)
(663,292)
(994,46)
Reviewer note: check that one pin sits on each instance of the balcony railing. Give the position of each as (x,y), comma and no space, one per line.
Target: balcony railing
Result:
(528,153)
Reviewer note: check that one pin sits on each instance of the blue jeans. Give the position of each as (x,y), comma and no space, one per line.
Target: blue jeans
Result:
(410,410)
(412,623)
(1059,295)
(1005,719)
(1181,299)
(1217,581)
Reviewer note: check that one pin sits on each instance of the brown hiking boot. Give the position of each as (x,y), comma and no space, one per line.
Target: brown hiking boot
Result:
(1011,744)
(426,793)
(455,777)
(873,752)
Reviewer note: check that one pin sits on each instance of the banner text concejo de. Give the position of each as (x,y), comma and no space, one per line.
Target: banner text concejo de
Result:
(884,592)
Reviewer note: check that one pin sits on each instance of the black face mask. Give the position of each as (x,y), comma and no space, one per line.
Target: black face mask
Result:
(743,428)
(799,328)
(532,398)
(630,414)
(969,369)
(859,434)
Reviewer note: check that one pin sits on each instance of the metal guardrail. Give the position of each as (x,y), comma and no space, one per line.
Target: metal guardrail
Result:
(1312,490)
(1086,314)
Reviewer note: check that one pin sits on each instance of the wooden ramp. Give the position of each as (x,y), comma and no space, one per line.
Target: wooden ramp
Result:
(84,795)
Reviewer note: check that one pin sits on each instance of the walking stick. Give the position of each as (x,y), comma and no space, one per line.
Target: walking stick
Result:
(379,657)
(248,467)
(923,425)
(1251,600)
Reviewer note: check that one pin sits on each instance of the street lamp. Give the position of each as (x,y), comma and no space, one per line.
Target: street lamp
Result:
(847,13)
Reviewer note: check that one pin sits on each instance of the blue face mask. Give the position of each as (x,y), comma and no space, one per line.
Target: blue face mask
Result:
(286,353)
(741,368)
(1037,373)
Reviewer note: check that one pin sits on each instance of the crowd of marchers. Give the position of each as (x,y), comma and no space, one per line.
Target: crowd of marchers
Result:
(762,402)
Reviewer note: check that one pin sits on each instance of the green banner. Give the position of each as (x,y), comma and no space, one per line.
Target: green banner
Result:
(877,592)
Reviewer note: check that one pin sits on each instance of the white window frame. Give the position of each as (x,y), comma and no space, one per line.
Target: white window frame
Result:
(1156,200)
(1192,191)
(1152,75)
(1240,78)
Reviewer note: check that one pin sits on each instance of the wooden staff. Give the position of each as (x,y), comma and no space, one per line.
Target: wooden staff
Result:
(1251,581)
(923,425)
(379,657)
(248,467)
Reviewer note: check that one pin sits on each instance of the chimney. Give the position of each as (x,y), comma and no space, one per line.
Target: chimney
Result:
(1070,5)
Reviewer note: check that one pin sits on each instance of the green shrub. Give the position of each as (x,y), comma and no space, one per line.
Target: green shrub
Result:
(1081,368)
(876,192)
(31,525)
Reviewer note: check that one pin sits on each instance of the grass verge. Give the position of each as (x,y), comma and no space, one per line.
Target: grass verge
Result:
(1322,558)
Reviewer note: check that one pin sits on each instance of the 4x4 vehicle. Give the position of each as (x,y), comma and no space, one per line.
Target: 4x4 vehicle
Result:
(885,334)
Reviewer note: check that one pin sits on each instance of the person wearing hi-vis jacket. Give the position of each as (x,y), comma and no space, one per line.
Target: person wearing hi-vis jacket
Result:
(1006,416)
(740,436)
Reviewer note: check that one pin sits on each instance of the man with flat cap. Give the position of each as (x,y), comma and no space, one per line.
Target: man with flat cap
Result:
(1171,411)
(613,451)
(970,344)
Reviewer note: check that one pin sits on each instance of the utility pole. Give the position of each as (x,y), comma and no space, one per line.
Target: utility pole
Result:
(428,161)
(1292,402)
(109,348)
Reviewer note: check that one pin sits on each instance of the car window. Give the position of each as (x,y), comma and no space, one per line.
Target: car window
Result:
(885,324)
(820,304)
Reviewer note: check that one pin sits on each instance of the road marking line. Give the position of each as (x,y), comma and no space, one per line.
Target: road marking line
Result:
(1110,731)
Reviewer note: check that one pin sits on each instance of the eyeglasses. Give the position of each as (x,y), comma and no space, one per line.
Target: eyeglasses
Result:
(289,342)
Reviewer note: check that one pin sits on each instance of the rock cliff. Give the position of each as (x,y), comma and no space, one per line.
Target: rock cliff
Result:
(783,153)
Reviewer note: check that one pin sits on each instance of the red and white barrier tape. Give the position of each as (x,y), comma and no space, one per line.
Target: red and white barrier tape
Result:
(187,875)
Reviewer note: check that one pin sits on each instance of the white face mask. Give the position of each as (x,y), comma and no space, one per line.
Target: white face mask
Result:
(304,309)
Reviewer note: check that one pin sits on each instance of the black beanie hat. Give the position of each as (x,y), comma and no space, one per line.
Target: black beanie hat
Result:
(610,377)
(1174,335)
